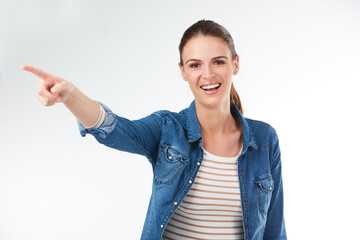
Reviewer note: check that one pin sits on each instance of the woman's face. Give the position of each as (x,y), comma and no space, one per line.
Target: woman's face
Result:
(208,67)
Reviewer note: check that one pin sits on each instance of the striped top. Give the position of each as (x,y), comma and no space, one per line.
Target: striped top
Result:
(211,209)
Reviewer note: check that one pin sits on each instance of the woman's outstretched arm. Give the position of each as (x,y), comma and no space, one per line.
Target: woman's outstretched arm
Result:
(52,89)
(138,136)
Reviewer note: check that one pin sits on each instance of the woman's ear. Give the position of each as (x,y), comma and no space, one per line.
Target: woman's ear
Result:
(182,71)
(236,65)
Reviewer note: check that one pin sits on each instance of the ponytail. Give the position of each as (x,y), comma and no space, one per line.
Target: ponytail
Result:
(234,97)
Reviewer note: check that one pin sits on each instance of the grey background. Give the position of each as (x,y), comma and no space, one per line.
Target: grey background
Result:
(299,71)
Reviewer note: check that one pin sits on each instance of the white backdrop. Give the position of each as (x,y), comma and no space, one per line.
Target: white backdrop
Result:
(299,71)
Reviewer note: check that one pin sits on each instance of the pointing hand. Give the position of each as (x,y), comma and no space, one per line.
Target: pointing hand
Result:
(51,88)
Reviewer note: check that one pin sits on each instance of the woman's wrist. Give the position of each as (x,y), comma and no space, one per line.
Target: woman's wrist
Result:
(100,120)
(84,109)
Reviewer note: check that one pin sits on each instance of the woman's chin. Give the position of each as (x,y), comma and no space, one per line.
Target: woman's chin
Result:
(212,102)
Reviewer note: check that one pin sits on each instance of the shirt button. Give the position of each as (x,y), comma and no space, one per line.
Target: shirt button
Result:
(246,226)
(161,226)
(175,203)
(170,157)
(241,174)
(190,181)
(198,163)
(245,200)
(270,188)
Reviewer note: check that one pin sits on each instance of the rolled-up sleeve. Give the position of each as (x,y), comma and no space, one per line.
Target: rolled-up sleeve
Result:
(139,136)
(106,127)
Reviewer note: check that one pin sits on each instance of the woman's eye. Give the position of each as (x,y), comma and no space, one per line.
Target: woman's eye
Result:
(218,62)
(194,65)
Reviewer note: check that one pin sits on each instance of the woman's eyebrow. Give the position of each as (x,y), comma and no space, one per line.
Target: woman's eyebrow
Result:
(193,59)
(219,57)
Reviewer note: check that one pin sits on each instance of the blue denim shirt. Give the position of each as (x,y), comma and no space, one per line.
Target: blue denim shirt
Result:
(172,143)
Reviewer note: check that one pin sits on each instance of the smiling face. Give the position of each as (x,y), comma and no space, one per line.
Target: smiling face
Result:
(208,67)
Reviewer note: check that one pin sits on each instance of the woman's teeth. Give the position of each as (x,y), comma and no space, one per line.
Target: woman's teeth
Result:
(211,86)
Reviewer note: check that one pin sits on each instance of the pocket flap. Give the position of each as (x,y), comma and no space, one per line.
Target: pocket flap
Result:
(171,153)
(265,183)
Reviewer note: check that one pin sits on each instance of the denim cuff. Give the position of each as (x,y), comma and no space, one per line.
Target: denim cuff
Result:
(106,128)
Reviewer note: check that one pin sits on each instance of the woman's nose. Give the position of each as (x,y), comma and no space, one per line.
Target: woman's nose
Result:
(208,72)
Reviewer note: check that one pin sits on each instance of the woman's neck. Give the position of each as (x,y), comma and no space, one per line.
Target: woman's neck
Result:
(216,121)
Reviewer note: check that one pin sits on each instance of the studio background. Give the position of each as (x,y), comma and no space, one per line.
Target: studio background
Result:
(299,72)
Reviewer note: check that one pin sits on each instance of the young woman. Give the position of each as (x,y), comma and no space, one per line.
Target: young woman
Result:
(217,175)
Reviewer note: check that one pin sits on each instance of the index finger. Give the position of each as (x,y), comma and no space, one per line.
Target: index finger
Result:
(37,71)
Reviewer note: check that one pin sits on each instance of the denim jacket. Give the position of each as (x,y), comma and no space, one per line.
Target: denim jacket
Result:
(172,142)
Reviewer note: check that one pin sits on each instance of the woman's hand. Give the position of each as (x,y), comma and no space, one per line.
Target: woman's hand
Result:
(51,88)
(54,89)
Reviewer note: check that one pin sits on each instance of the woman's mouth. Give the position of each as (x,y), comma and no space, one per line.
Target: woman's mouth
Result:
(211,89)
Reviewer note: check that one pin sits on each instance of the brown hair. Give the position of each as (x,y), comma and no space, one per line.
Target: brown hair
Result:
(211,28)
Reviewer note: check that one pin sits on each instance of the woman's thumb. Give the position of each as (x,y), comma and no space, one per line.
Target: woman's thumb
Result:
(54,90)
(57,88)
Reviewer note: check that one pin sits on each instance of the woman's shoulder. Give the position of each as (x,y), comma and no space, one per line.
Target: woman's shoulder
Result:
(259,125)
(264,133)
(181,115)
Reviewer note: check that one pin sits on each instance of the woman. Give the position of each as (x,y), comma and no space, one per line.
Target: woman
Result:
(217,175)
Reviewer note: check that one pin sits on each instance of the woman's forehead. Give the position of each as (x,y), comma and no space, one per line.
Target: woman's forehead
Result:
(205,47)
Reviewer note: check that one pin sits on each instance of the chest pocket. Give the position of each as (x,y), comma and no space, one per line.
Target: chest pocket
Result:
(170,164)
(265,186)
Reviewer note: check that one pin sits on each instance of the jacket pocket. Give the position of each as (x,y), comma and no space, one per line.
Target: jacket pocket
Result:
(264,188)
(170,164)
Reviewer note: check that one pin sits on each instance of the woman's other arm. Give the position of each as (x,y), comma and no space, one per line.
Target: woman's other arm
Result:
(52,89)
(275,223)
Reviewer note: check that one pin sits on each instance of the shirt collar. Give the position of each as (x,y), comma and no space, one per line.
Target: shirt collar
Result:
(194,133)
